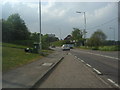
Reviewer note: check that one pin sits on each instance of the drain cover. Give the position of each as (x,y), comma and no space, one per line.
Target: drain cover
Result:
(47,64)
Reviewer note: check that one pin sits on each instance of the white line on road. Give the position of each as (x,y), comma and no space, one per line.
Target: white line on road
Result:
(75,56)
(82,61)
(104,56)
(113,82)
(88,65)
(98,72)
(101,55)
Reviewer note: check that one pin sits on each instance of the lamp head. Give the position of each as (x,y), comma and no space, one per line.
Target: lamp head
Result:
(78,12)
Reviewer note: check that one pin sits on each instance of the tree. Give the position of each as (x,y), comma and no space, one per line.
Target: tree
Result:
(19,29)
(35,37)
(77,36)
(47,39)
(97,39)
(7,31)
(52,38)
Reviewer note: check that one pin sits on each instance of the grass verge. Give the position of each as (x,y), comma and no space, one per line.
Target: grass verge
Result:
(102,48)
(13,45)
(14,56)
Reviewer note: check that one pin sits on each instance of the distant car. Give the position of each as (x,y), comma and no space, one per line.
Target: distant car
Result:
(65,47)
(71,46)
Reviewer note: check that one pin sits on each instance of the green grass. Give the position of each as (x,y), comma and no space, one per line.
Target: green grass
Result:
(14,56)
(13,45)
(84,47)
(110,48)
(102,48)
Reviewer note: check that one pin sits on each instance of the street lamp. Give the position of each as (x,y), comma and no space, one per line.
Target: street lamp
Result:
(84,21)
(40,43)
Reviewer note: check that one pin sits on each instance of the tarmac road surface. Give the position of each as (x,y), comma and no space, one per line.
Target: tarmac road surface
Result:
(105,62)
(71,73)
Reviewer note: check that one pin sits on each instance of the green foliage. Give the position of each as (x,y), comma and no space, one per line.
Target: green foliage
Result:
(103,48)
(84,47)
(97,39)
(47,40)
(7,32)
(59,43)
(14,28)
(35,37)
(95,48)
(110,48)
(77,36)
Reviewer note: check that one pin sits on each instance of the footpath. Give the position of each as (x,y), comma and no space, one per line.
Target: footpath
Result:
(28,75)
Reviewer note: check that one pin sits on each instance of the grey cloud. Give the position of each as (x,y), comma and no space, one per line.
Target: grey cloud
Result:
(62,17)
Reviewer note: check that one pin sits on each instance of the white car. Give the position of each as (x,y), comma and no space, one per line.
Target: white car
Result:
(65,47)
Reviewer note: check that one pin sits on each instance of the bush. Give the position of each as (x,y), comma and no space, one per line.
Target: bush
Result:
(85,47)
(59,43)
(94,48)
(110,48)
(45,45)
(28,43)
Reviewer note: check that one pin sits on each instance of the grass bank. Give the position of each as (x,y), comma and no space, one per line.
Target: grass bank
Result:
(14,56)
(102,48)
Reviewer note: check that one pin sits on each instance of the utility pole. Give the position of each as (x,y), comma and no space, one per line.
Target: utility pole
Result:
(85,25)
(84,31)
(40,43)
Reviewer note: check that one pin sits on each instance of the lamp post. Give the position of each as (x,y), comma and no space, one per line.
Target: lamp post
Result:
(84,22)
(40,43)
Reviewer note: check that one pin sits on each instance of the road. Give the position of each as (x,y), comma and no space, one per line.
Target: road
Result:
(104,62)
(71,73)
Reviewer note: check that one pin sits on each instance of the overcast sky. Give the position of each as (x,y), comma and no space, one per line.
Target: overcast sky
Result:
(60,18)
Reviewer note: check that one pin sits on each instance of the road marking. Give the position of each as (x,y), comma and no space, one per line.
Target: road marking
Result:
(82,61)
(104,56)
(113,82)
(98,72)
(75,56)
(101,55)
(88,65)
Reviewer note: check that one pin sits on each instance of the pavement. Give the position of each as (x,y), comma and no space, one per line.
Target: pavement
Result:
(69,73)
(28,75)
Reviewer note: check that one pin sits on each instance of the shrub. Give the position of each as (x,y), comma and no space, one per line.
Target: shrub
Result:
(109,48)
